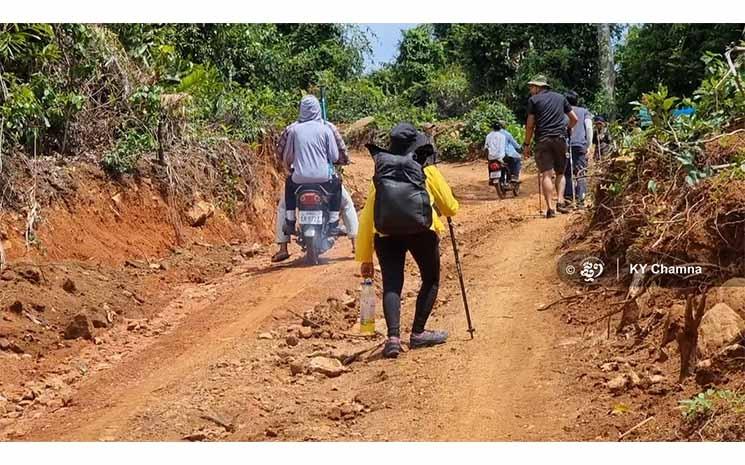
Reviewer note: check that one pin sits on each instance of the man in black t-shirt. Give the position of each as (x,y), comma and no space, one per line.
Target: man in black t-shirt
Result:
(546,117)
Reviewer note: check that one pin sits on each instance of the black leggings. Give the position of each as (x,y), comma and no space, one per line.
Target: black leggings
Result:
(333,187)
(391,252)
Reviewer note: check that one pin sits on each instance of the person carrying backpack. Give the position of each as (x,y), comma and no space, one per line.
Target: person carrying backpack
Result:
(400,215)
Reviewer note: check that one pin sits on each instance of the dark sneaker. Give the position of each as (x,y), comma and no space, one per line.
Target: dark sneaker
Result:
(289,228)
(335,231)
(392,347)
(550,213)
(562,208)
(428,338)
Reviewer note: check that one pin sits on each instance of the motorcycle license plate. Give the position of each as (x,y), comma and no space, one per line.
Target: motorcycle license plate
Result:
(495,174)
(311,217)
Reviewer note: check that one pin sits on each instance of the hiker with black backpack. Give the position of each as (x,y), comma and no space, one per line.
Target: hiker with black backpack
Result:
(400,215)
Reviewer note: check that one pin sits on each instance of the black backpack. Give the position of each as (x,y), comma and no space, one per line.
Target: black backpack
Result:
(402,204)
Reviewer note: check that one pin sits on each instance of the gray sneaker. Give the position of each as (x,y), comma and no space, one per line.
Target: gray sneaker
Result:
(428,338)
(392,347)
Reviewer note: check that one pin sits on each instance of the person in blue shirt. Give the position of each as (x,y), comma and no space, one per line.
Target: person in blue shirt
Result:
(513,151)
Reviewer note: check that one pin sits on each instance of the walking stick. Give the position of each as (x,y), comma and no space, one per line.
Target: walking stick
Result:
(471,329)
(540,194)
(571,172)
(540,189)
(323,104)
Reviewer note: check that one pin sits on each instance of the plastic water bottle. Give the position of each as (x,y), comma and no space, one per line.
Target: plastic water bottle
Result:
(367,307)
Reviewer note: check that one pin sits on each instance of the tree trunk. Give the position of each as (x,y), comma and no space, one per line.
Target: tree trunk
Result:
(607,66)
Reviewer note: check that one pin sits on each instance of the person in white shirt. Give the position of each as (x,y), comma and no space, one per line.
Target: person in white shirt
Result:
(495,144)
(496,147)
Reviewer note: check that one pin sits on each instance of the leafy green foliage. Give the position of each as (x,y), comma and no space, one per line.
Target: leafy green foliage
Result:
(669,54)
(450,91)
(660,106)
(718,96)
(451,148)
(123,158)
(708,403)
(24,46)
(420,54)
(399,110)
(244,80)
(478,122)
(501,58)
(36,104)
(280,56)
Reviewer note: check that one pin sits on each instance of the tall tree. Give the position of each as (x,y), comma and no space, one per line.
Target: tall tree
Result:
(607,68)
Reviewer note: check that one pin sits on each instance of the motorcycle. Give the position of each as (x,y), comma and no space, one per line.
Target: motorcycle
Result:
(313,222)
(501,178)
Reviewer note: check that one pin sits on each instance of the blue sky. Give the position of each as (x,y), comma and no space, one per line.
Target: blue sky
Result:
(384,43)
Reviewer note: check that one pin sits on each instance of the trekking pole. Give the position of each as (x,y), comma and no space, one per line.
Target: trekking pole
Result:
(323,104)
(540,194)
(571,172)
(471,329)
(540,188)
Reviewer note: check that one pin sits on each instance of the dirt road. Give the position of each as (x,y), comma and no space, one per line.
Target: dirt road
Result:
(221,351)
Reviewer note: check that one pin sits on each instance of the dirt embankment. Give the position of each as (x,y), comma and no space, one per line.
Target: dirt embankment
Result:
(88,255)
(658,358)
(57,209)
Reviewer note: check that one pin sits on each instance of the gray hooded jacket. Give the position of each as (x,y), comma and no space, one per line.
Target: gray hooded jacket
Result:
(311,148)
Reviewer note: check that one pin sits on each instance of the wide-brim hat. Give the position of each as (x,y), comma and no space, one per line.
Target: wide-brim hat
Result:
(539,80)
(406,139)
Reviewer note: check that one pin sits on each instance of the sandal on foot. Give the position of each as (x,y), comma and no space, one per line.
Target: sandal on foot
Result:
(280,257)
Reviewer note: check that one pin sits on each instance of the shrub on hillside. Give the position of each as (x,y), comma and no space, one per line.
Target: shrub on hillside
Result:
(478,122)
(451,148)
(450,91)
(351,100)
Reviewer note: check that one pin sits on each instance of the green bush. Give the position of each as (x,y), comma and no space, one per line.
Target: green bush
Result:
(478,122)
(450,91)
(518,132)
(400,111)
(123,158)
(712,401)
(352,100)
(235,110)
(37,112)
(451,148)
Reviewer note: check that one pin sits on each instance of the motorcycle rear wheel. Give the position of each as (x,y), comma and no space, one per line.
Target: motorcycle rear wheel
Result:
(500,191)
(311,251)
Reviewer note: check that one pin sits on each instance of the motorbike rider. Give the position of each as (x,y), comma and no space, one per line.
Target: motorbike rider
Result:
(348,211)
(309,150)
(496,147)
(512,152)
